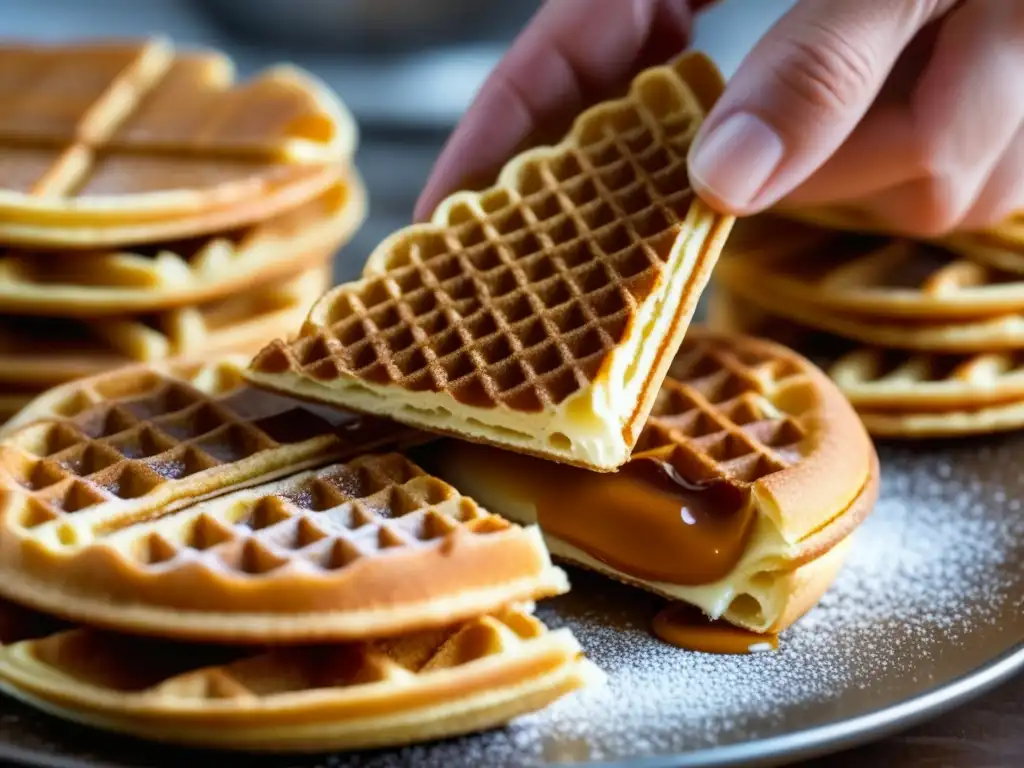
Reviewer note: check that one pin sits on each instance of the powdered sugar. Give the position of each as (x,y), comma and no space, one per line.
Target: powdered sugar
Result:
(931,589)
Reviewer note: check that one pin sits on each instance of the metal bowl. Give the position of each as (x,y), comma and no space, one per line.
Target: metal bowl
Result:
(369,24)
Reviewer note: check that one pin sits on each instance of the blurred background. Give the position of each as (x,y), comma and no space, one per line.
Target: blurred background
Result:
(406,68)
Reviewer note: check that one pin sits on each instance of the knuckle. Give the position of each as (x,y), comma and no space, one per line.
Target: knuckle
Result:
(942,206)
(825,71)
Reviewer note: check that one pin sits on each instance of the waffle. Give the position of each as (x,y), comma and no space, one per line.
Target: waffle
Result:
(873,277)
(1000,332)
(999,251)
(429,685)
(898,393)
(735,414)
(193,506)
(38,352)
(166,275)
(541,313)
(114,143)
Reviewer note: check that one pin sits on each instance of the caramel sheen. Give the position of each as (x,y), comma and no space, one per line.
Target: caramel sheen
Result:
(644,520)
(686,627)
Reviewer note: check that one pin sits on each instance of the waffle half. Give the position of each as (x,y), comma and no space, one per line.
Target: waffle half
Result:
(40,352)
(132,502)
(790,467)
(542,313)
(151,278)
(108,143)
(429,685)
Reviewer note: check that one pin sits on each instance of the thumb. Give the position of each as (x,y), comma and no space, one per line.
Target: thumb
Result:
(798,95)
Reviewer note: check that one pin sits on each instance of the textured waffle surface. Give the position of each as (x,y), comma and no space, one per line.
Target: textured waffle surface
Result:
(166,275)
(142,437)
(131,501)
(123,132)
(876,277)
(517,300)
(43,351)
(758,415)
(426,685)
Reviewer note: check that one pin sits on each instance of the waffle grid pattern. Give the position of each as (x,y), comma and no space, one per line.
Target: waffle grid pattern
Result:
(95,119)
(119,446)
(325,521)
(519,297)
(727,413)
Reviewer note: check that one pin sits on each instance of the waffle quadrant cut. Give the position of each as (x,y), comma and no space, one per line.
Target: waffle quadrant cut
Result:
(461,678)
(542,313)
(109,143)
(186,507)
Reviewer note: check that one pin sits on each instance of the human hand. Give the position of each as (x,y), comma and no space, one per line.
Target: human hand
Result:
(908,110)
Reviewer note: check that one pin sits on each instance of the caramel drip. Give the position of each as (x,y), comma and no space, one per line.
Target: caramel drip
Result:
(686,627)
(645,520)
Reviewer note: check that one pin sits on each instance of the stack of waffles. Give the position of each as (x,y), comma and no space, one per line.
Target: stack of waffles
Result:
(151,207)
(924,338)
(543,327)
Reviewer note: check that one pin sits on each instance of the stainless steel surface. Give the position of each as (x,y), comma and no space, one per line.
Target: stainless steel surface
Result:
(928,612)
(369,25)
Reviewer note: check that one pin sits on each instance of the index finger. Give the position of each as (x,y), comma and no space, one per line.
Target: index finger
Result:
(572,53)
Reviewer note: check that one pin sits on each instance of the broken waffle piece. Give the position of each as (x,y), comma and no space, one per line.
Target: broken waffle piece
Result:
(740,497)
(542,313)
(433,684)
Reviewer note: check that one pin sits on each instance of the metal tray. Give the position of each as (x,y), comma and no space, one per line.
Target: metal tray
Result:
(928,612)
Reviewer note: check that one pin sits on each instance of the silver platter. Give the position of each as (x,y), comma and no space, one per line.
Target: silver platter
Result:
(927,613)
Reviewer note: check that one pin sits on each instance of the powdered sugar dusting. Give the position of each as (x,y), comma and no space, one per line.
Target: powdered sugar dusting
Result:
(929,591)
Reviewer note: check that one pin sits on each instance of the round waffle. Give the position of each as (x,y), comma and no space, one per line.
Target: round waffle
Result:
(429,685)
(39,352)
(114,143)
(541,313)
(130,501)
(747,413)
(166,275)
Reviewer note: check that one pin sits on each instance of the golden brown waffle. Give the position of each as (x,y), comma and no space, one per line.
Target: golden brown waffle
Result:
(539,314)
(113,143)
(371,548)
(874,277)
(741,411)
(200,270)
(944,335)
(1000,251)
(899,393)
(429,685)
(38,352)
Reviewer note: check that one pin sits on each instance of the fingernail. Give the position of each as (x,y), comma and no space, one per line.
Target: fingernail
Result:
(736,159)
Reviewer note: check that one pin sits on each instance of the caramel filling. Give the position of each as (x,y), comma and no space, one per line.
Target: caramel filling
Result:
(686,627)
(645,520)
